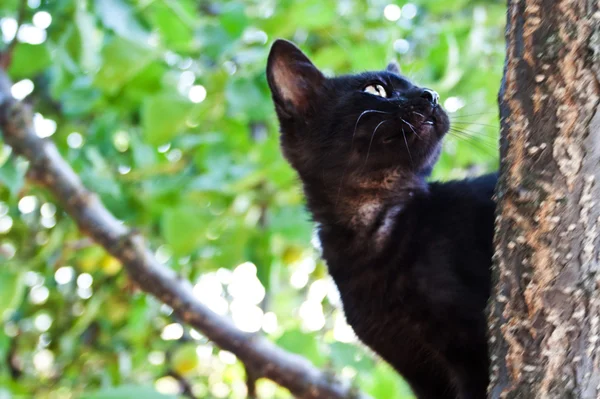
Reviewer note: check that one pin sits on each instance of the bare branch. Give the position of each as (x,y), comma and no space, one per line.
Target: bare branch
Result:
(6,54)
(251,384)
(186,388)
(50,170)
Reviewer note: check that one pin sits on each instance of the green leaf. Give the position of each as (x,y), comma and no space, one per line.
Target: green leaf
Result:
(259,253)
(5,342)
(183,228)
(164,116)
(350,355)
(90,39)
(292,222)
(12,287)
(233,19)
(28,60)
(8,8)
(331,57)
(80,98)
(169,20)
(69,340)
(368,57)
(312,14)
(384,383)
(12,177)
(144,155)
(447,6)
(303,344)
(118,16)
(127,392)
(122,59)
(214,40)
(137,322)
(246,99)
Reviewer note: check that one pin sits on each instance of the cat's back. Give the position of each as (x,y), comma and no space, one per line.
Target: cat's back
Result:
(453,232)
(461,210)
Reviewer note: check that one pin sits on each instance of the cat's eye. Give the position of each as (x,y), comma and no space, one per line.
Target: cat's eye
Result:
(376,90)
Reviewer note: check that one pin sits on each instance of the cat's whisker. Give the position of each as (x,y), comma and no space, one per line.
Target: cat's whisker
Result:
(454,116)
(485,151)
(408,123)
(474,135)
(363,114)
(372,137)
(476,124)
(337,198)
(486,147)
(486,143)
(411,128)
(407,147)
(476,132)
(418,113)
(368,111)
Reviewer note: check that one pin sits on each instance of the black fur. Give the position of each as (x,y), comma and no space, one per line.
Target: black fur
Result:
(411,259)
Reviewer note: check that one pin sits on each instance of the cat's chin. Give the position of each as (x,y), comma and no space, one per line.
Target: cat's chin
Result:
(427,127)
(426,122)
(417,131)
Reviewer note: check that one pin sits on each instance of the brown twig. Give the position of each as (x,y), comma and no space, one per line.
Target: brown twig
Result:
(251,383)
(6,54)
(186,387)
(49,169)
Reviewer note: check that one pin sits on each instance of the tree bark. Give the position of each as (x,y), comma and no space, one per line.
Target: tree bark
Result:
(545,310)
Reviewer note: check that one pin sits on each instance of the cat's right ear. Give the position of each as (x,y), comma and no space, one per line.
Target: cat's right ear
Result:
(293,79)
(393,67)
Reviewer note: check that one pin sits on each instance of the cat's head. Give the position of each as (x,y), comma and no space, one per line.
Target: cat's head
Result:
(362,125)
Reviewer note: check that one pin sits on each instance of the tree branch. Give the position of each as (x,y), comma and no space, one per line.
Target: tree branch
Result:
(50,170)
(251,384)
(6,54)
(186,388)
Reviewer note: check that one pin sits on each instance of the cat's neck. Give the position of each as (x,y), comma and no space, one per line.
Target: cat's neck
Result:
(364,207)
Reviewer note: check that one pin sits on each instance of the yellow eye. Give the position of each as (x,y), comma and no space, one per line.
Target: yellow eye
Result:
(376,90)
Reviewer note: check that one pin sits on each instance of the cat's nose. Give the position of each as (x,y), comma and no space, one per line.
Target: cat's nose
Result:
(431,96)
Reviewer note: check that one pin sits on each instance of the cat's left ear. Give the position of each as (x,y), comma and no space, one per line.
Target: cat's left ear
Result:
(393,67)
(293,79)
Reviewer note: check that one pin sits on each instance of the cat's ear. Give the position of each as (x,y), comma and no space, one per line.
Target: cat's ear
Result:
(293,79)
(393,67)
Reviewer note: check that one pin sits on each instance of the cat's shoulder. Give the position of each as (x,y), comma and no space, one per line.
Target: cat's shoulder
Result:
(475,188)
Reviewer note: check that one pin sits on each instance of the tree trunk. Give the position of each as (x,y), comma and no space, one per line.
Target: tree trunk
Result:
(545,311)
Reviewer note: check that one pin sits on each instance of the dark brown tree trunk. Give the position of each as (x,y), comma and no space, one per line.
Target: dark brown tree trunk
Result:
(545,310)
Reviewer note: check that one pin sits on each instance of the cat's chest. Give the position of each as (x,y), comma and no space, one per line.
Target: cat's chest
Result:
(375,298)
(384,314)
(394,297)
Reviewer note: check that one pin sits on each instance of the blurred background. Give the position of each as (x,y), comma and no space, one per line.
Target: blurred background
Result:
(162,107)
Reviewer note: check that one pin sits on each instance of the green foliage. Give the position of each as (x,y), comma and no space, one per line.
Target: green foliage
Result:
(304,344)
(21,65)
(162,108)
(163,116)
(12,288)
(127,392)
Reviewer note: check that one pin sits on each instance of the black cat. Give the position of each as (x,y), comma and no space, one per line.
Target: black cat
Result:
(411,259)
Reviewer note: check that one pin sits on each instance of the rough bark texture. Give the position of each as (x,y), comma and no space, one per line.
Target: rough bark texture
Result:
(545,315)
(261,356)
